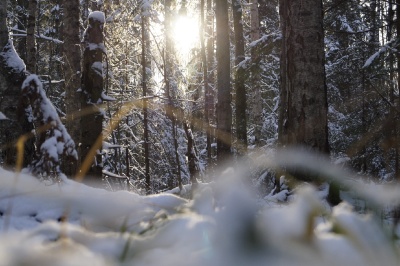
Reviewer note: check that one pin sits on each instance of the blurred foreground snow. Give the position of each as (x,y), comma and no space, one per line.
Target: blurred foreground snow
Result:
(72,224)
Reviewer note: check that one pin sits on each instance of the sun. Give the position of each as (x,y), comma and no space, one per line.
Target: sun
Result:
(185,34)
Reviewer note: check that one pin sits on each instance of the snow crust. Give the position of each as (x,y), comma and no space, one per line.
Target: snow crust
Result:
(72,224)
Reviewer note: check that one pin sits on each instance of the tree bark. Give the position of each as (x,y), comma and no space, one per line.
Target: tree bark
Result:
(3,24)
(92,85)
(303,101)
(169,86)
(12,74)
(210,94)
(191,156)
(72,73)
(240,78)
(224,109)
(207,89)
(30,37)
(21,19)
(397,147)
(145,78)
(255,94)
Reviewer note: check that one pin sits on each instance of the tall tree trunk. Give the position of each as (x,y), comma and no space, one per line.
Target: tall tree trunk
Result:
(240,88)
(11,78)
(224,109)
(304,108)
(390,140)
(3,24)
(92,85)
(255,93)
(30,37)
(145,78)
(209,105)
(398,87)
(303,100)
(169,86)
(72,72)
(21,17)
(207,88)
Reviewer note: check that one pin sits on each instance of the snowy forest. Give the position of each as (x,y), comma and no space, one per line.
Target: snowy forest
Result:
(177,132)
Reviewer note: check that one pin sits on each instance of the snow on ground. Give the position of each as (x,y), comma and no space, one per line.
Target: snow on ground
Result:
(72,224)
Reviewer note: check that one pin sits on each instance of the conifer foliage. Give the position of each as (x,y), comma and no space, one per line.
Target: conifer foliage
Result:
(53,140)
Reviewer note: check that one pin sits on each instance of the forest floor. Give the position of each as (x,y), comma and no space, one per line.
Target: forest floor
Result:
(73,224)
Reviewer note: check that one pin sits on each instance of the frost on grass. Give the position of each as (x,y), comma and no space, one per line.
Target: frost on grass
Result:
(71,224)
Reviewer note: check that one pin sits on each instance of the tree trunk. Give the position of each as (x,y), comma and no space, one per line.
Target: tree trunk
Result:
(145,78)
(92,78)
(397,147)
(207,89)
(169,86)
(12,74)
(192,156)
(21,17)
(3,24)
(255,94)
(303,99)
(303,102)
(209,105)
(224,109)
(390,136)
(72,72)
(240,88)
(30,37)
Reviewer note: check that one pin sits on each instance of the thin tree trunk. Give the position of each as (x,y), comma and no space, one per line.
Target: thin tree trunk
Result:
(240,88)
(30,37)
(209,105)
(168,78)
(21,20)
(72,70)
(391,124)
(145,66)
(398,86)
(3,24)
(224,109)
(192,156)
(207,87)
(84,11)
(255,94)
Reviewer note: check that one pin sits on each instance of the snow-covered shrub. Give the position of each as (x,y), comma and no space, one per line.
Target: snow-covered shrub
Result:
(53,140)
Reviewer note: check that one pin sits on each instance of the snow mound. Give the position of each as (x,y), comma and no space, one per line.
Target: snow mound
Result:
(72,224)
